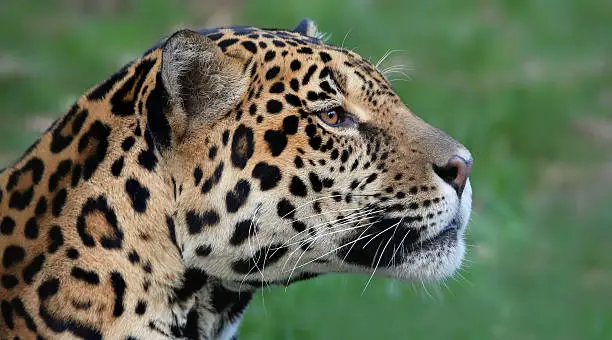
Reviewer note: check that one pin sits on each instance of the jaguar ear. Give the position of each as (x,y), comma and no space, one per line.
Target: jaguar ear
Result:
(201,80)
(307,27)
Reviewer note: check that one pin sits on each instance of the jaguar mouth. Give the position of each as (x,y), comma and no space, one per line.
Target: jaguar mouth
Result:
(448,234)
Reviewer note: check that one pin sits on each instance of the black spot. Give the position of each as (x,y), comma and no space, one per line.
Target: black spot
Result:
(172,231)
(9,281)
(20,200)
(242,231)
(72,253)
(278,43)
(284,209)
(315,142)
(297,187)
(371,178)
(242,146)
(277,88)
(56,239)
(157,122)
(102,90)
(269,55)
(58,202)
(299,163)
(95,145)
(111,240)
(7,225)
(203,250)
(228,302)
(334,154)
(298,226)
(196,222)
(249,46)
(236,198)
(118,285)
(133,257)
(308,75)
(138,194)
(194,280)
(295,65)
(325,57)
(117,167)
(225,137)
(20,310)
(147,159)
(124,98)
(76,175)
(212,152)
(31,228)
(127,143)
(290,124)
(312,96)
(328,182)
(252,109)
(293,100)
(41,206)
(295,85)
(87,276)
(215,36)
(147,268)
(223,44)
(315,182)
(33,268)
(305,50)
(274,106)
(63,168)
(214,179)
(7,314)
(269,175)
(262,258)
(191,329)
(58,141)
(344,157)
(141,307)
(12,255)
(277,141)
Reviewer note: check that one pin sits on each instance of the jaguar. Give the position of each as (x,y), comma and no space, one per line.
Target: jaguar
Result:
(219,162)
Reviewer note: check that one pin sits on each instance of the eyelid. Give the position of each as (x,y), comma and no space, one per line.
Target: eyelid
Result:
(325,106)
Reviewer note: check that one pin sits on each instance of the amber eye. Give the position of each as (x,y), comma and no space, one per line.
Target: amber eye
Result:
(333,117)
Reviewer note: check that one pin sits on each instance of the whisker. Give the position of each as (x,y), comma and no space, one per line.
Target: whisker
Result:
(344,39)
(331,251)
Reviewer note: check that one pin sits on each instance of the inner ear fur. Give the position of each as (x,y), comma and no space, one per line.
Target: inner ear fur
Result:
(202,82)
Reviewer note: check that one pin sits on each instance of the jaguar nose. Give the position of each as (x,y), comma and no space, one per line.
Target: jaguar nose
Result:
(455,172)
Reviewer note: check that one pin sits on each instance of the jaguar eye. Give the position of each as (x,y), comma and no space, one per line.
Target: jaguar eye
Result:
(333,117)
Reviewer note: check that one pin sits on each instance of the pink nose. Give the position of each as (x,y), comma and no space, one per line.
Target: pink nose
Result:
(455,172)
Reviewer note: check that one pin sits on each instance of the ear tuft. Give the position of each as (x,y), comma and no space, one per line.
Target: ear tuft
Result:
(307,27)
(199,77)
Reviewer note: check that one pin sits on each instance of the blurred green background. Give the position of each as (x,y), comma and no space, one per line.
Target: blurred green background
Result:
(526,85)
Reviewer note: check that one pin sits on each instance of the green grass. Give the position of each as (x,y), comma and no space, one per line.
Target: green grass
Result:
(510,79)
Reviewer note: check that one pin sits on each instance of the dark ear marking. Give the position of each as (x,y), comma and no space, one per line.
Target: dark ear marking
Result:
(306,27)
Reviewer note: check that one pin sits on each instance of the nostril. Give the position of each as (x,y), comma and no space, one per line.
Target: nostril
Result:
(448,173)
(455,172)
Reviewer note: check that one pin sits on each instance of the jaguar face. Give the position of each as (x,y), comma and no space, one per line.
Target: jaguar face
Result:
(318,165)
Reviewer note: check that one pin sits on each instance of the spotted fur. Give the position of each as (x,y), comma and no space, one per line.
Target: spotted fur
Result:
(167,194)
